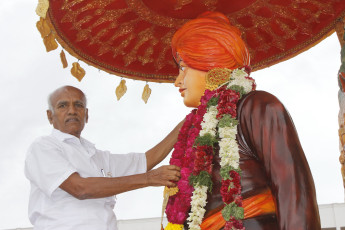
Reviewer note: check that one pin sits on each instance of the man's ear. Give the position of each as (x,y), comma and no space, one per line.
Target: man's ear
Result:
(50,116)
(86,115)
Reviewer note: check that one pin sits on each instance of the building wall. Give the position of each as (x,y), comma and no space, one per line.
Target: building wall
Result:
(332,218)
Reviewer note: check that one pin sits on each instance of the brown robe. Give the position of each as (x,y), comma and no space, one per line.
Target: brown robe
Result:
(271,157)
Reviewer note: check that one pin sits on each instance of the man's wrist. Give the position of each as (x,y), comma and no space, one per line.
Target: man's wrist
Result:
(147,181)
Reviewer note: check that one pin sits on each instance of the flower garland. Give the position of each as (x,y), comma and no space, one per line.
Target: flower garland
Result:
(213,122)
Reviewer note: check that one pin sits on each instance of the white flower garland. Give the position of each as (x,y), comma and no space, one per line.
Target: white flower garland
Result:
(228,148)
(238,77)
(209,125)
(197,207)
(209,122)
(228,152)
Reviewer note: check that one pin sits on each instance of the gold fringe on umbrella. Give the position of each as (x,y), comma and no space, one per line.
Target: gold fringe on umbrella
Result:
(146,93)
(49,40)
(50,43)
(77,71)
(47,35)
(121,89)
(43,27)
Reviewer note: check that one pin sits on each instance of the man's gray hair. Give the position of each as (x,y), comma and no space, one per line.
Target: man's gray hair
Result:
(50,105)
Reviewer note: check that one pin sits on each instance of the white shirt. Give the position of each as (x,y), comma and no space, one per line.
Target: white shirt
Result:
(51,160)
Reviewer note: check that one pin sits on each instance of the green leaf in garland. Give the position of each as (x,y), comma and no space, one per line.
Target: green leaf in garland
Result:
(232,210)
(224,172)
(239,89)
(212,102)
(204,178)
(227,121)
(206,139)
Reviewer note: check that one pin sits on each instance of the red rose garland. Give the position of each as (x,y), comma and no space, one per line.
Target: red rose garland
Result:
(194,154)
(183,156)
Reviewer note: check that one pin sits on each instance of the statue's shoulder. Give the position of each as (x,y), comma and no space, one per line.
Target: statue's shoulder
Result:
(259,98)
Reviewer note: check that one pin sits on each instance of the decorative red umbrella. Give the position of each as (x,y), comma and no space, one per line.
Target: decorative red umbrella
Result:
(131,38)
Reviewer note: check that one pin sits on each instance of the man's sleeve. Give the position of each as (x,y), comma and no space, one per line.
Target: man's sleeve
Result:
(46,166)
(127,164)
(271,134)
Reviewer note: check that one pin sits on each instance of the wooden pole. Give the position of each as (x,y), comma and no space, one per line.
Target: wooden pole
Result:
(340,29)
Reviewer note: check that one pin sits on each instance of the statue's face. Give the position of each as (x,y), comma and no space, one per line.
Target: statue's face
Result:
(191,83)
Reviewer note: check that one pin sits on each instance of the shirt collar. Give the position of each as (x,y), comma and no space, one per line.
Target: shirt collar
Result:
(61,136)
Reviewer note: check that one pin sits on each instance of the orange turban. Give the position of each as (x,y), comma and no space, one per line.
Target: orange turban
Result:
(210,41)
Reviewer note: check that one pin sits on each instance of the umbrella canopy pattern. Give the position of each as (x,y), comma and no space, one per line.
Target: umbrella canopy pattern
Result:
(131,38)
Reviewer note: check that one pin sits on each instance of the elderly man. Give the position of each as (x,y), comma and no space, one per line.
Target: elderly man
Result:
(72,183)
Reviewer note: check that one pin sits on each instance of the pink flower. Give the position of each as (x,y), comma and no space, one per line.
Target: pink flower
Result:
(234,224)
(207,96)
(176,162)
(185,172)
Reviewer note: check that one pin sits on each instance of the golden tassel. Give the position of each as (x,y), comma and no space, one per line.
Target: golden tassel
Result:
(146,93)
(42,8)
(63,59)
(47,35)
(50,43)
(43,27)
(77,71)
(121,89)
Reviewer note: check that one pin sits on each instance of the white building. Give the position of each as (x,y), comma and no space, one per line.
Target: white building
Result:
(332,218)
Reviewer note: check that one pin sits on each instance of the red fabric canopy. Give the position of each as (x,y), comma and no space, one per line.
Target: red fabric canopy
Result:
(131,38)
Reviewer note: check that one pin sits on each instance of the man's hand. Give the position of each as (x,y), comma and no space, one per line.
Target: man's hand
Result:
(164,176)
